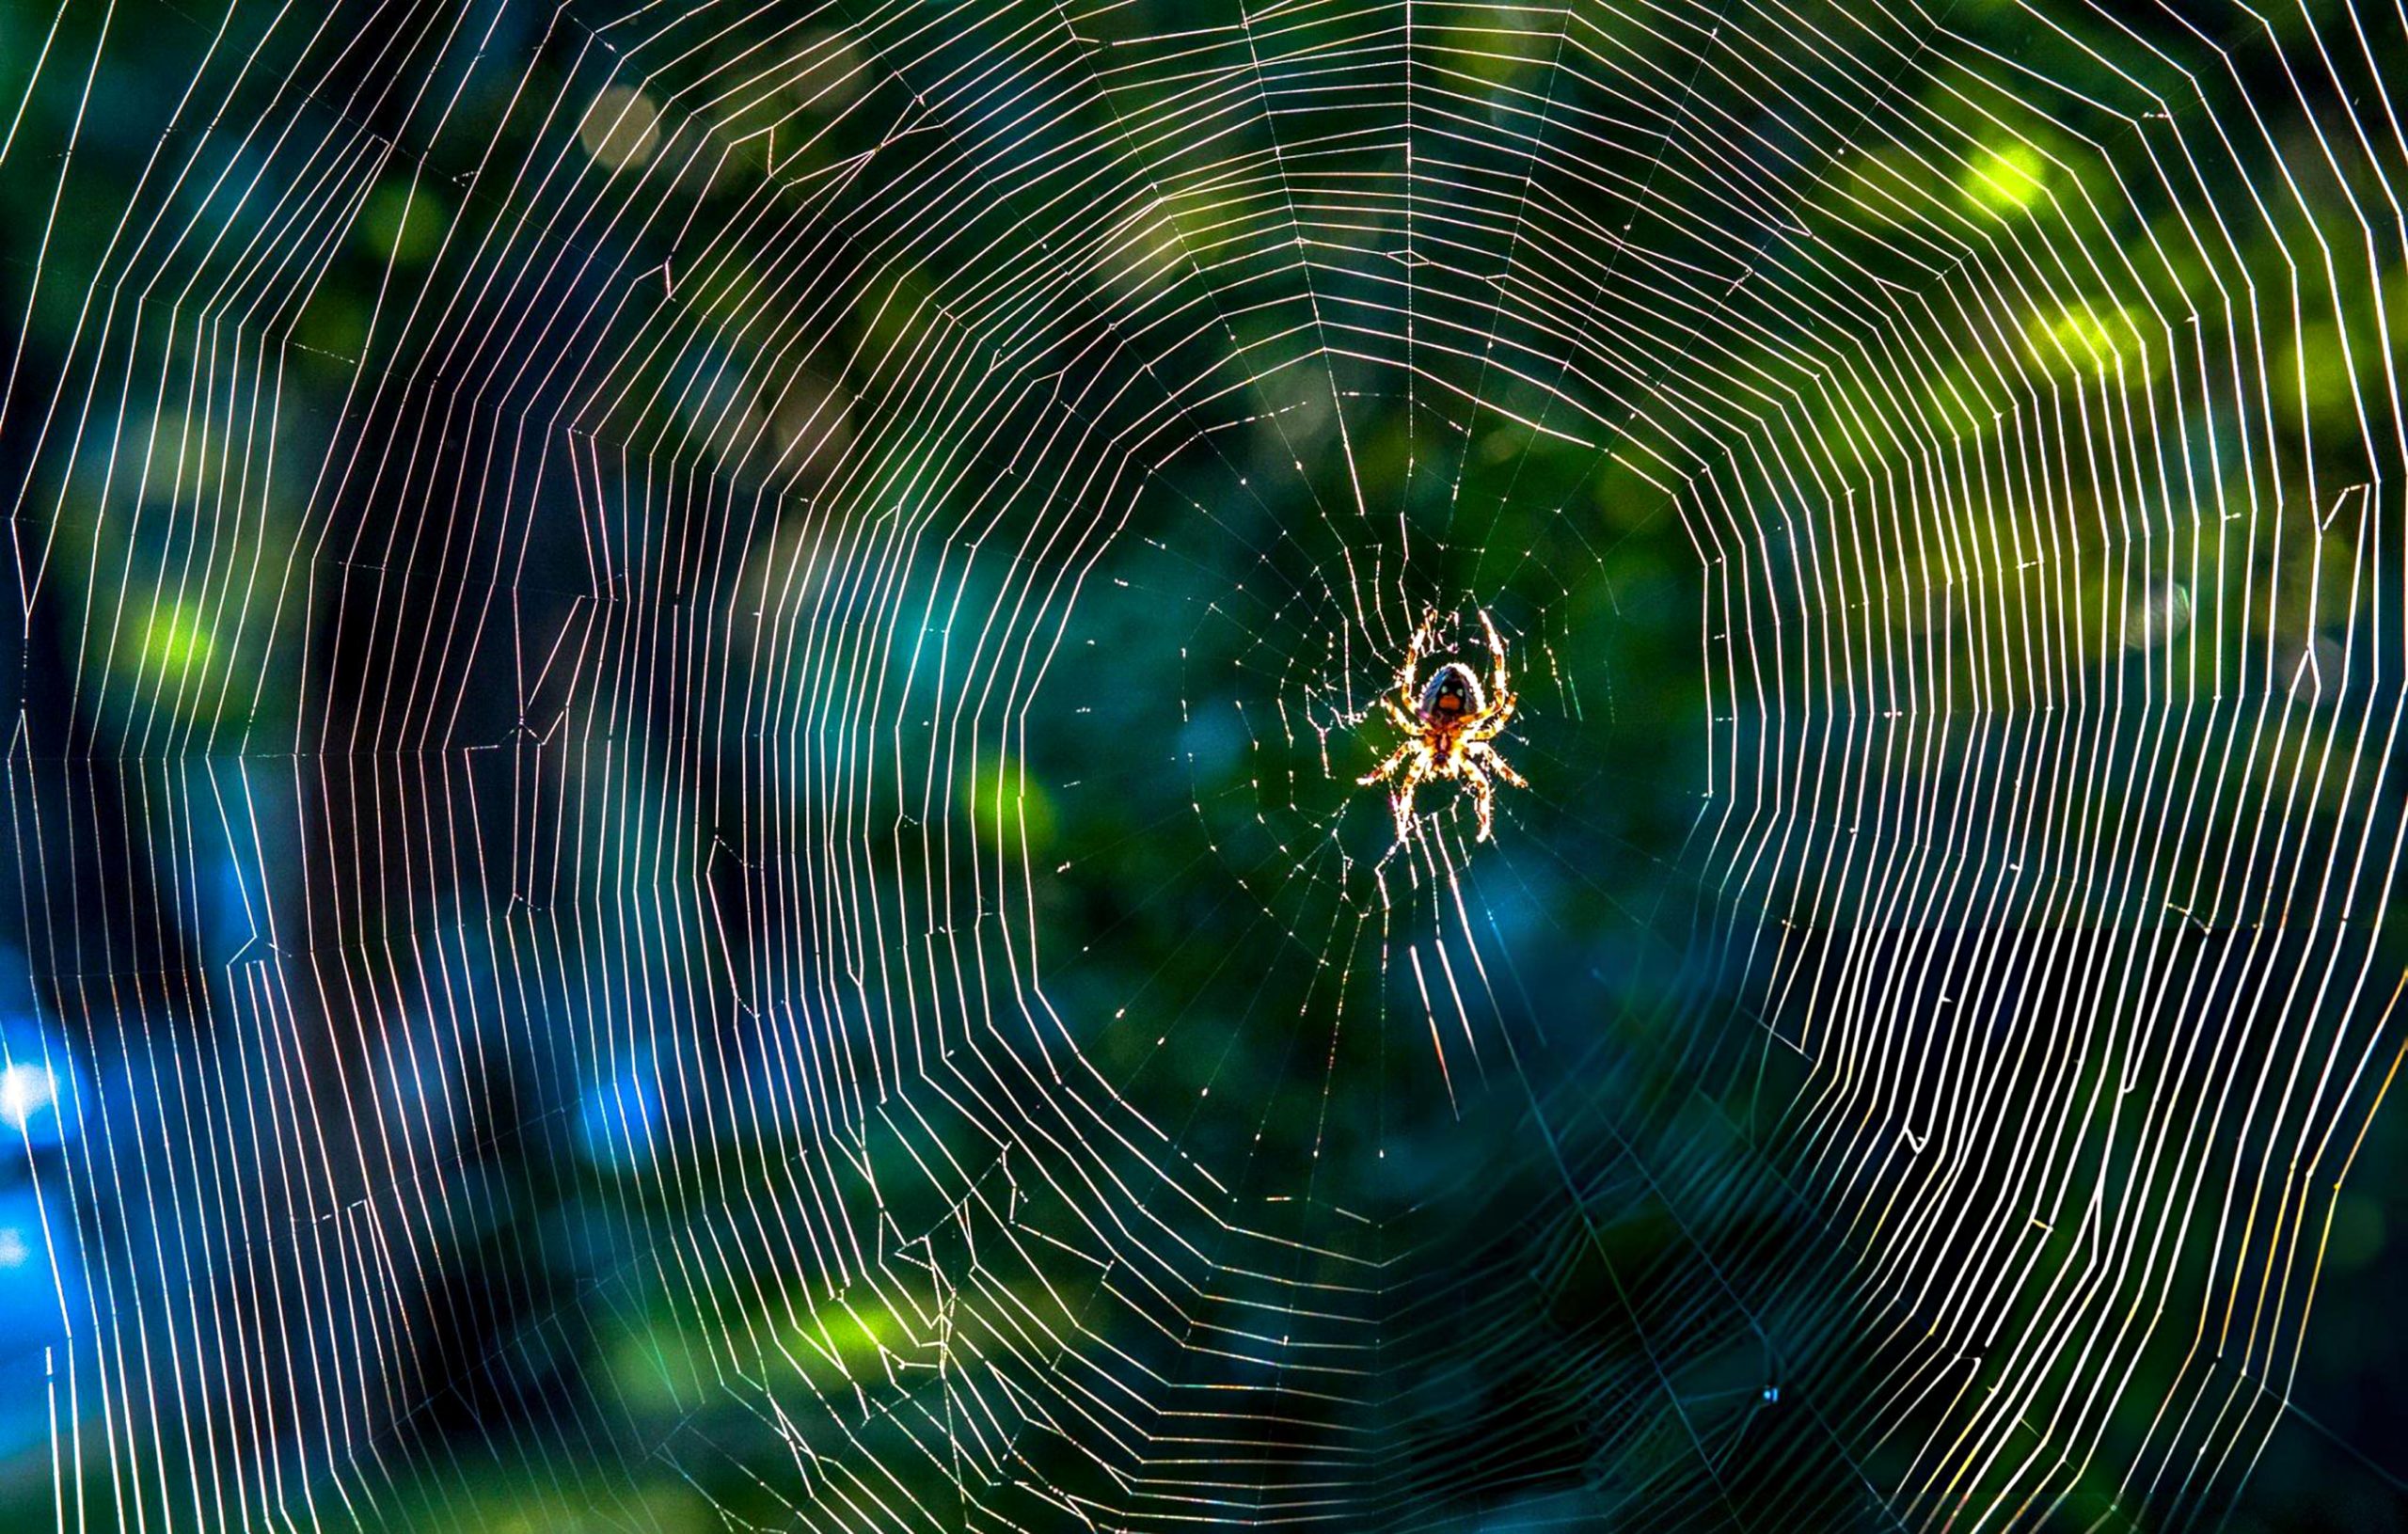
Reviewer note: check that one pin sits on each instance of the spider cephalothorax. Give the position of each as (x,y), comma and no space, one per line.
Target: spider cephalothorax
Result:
(1450,725)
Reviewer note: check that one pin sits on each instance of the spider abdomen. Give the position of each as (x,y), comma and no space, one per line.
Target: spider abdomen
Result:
(1453,693)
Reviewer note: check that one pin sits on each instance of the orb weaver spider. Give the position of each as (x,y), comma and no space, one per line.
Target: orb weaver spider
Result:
(1450,725)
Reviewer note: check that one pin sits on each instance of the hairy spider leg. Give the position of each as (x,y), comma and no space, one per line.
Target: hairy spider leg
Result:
(1395,758)
(1409,676)
(1497,656)
(1417,771)
(1484,799)
(1488,757)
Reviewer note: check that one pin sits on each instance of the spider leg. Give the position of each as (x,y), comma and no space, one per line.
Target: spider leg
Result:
(1415,758)
(1494,763)
(1497,684)
(1484,798)
(1409,676)
(1386,769)
(1400,798)
(1398,718)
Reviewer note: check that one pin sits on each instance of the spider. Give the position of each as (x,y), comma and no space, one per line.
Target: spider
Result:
(1449,725)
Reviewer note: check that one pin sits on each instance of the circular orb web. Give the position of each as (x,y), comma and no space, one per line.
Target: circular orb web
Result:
(694,687)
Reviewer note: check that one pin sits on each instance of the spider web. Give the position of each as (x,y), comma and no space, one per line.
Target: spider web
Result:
(691,681)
